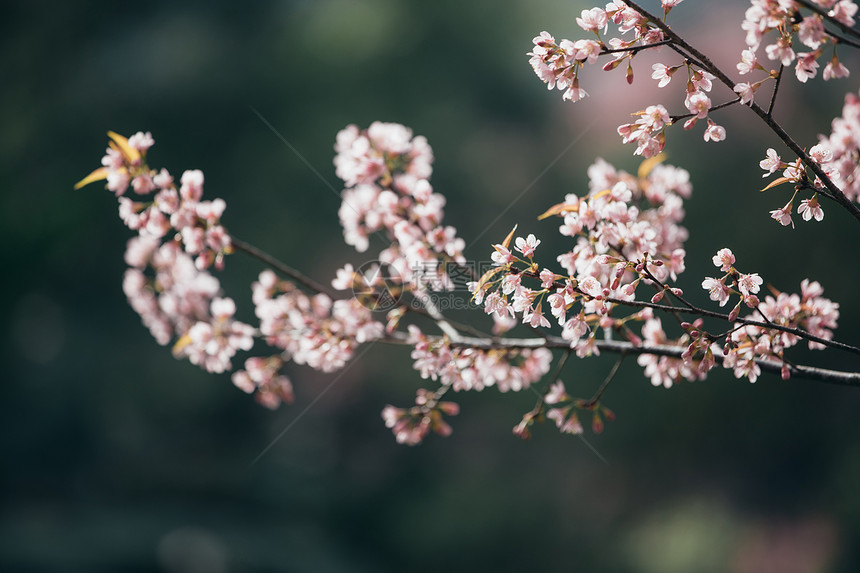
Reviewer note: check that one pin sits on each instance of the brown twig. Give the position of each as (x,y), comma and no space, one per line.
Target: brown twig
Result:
(281,267)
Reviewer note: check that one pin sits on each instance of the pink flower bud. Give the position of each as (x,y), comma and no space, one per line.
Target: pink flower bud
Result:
(733,315)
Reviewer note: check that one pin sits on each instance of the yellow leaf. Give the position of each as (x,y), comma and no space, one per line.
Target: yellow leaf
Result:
(130,153)
(510,236)
(183,341)
(601,193)
(775,182)
(557,210)
(646,166)
(97,175)
(484,278)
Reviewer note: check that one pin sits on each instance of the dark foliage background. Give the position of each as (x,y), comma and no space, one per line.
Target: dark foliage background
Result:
(116,457)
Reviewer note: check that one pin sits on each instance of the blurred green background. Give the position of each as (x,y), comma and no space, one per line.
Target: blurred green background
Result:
(116,457)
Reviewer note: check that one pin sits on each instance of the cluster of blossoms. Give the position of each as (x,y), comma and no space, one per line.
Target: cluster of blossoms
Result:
(558,65)
(627,229)
(411,426)
(464,368)
(167,210)
(841,149)
(557,405)
(386,173)
(626,232)
(809,311)
(262,377)
(784,18)
(312,330)
(179,237)
(745,343)
(838,155)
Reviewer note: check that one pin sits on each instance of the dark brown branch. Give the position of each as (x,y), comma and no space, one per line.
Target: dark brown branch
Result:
(282,267)
(838,377)
(635,49)
(677,118)
(775,90)
(834,192)
(609,377)
(830,20)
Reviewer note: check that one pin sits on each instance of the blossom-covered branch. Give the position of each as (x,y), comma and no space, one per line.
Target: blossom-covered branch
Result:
(607,292)
(839,377)
(559,64)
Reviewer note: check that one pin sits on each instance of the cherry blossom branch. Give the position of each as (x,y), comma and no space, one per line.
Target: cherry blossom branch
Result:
(834,192)
(830,20)
(693,309)
(839,377)
(429,310)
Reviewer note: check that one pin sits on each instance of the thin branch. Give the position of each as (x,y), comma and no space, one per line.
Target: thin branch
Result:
(836,194)
(609,377)
(843,40)
(686,56)
(635,49)
(282,267)
(838,377)
(560,366)
(446,327)
(458,325)
(775,90)
(677,118)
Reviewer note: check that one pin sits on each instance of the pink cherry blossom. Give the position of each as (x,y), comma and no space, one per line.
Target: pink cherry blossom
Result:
(714,132)
(781,51)
(724,259)
(749,284)
(141,141)
(748,62)
(698,103)
(662,73)
(745,91)
(592,20)
(783,215)
(770,163)
(717,290)
(807,66)
(835,69)
(810,208)
(844,11)
(528,245)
